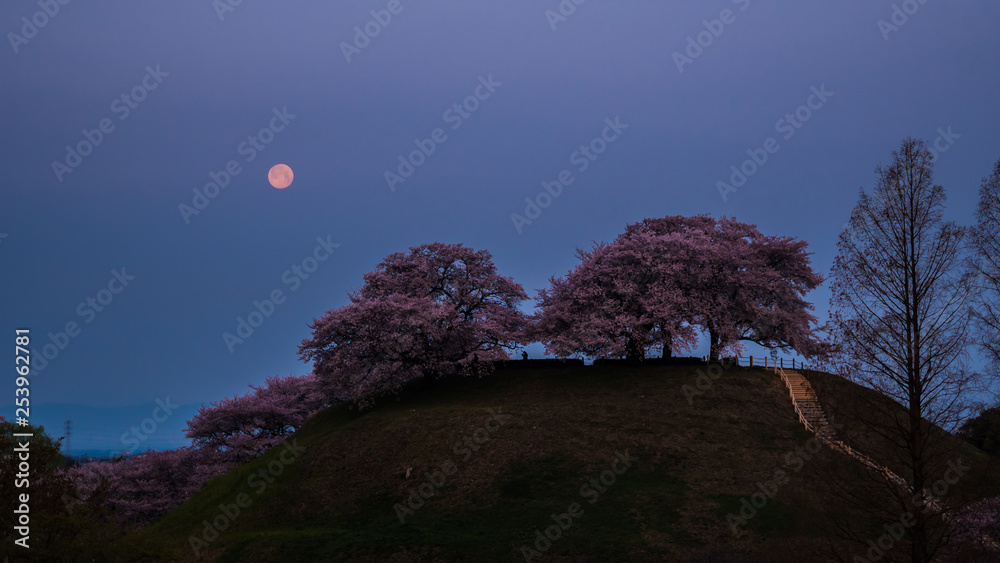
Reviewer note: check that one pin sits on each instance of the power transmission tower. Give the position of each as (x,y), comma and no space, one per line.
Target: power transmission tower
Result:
(69,430)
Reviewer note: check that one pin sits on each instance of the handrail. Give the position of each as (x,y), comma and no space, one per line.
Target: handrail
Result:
(795,404)
(754,361)
(840,445)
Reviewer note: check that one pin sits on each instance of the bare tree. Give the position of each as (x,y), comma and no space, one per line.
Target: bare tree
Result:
(987,243)
(902,294)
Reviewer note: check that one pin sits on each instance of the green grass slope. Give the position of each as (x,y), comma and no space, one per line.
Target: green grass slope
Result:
(692,463)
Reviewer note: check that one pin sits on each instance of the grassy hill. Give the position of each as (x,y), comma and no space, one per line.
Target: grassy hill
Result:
(499,456)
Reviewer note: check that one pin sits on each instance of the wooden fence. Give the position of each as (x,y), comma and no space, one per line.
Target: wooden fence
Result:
(765,362)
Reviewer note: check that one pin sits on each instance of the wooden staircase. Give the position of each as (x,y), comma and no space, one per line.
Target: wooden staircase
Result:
(807,405)
(811,414)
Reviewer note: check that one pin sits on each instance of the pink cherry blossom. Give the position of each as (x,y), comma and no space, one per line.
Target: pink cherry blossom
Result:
(421,314)
(663,278)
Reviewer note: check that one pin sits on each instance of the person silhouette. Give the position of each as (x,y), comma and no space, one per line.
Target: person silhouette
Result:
(524,355)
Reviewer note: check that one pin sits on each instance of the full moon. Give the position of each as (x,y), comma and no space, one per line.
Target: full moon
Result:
(280,176)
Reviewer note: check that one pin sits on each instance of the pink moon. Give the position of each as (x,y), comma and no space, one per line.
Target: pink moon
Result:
(280,176)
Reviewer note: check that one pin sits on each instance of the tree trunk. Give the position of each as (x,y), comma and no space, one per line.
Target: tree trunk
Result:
(633,350)
(668,351)
(429,378)
(713,338)
(921,532)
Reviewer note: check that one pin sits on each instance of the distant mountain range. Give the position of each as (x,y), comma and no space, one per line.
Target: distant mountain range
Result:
(107,431)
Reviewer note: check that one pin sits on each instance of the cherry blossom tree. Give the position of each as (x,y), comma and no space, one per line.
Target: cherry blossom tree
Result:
(421,314)
(977,531)
(137,490)
(142,488)
(663,277)
(242,428)
(740,284)
(615,303)
(90,484)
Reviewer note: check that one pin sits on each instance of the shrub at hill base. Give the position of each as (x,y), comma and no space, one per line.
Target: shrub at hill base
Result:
(140,489)
(983,431)
(144,487)
(36,524)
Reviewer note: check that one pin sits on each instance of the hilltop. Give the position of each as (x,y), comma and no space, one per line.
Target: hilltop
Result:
(499,456)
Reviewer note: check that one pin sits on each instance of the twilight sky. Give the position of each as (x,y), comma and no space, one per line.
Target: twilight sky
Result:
(116,113)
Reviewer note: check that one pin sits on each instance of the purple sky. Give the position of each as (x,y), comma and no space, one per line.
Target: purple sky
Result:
(207,83)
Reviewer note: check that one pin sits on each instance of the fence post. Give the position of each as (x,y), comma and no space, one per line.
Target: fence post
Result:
(751,361)
(782,363)
(765,362)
